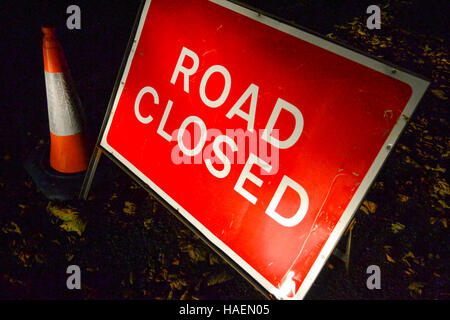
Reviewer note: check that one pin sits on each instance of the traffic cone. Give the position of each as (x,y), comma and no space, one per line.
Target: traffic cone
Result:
(59,173)
(68,149)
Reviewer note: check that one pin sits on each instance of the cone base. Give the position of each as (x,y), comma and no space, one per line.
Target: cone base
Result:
(54,185)
(62,186)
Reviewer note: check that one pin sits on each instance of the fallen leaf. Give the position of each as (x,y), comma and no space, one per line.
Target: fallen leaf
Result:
(76,225)
(25,258)
(415,288)
(72,221)
(218,278)
(410,272)
(69,256)
(389,258)
(129,208)
(439,93)
(443,204)
(175,262)
(368,207)
(397,227)
(196,254)
(68,213)
(12,227)
(131,278)
(178,284)
(185,295)
(15,281)
(442,188)
(148,223)
(114,196)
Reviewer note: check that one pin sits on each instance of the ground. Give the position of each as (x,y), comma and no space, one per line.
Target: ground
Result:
(130,247)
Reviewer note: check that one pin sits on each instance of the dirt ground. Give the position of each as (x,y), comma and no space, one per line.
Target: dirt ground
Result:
(130,247)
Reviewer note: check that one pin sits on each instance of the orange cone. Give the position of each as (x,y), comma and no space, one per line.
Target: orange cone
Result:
(68,148)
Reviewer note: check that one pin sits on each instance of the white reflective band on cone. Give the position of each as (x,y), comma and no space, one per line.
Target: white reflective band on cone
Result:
(64,117)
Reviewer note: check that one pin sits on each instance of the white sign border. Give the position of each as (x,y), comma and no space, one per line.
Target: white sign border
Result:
(417,85)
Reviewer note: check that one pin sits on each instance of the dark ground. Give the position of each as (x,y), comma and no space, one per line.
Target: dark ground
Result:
(133,248)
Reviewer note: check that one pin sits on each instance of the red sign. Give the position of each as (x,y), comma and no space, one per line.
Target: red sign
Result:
(265,138)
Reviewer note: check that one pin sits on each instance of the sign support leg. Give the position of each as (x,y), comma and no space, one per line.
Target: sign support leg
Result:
(87,182)
(345,257)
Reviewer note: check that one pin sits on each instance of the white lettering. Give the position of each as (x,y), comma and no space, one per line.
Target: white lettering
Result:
(226,89)
(301,212)
(246,174)
(144,90)
(289,142)
(187,72)
(202,140)
(249,117)
(222,157)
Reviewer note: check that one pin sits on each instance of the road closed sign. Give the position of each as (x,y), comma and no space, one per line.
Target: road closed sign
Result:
(262,137)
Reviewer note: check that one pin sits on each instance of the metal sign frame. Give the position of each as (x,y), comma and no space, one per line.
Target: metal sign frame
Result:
(417,83)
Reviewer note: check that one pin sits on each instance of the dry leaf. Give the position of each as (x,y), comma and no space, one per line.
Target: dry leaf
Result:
(410,272)
(76,225)
(69,256)
(12,227)
(443,204)
(131,278)
(388,257)
(368,207)
(397,227)
(129,208)
(439,93)
(72,221)
(185,295)
(178,284)
(148,223)
(63,213)
(218,278)
(415,288)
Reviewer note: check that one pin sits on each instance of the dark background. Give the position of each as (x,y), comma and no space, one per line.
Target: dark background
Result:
(115,246)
